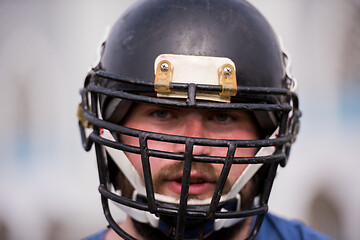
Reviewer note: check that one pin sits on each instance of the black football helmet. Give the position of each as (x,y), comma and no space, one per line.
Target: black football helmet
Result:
(139,62)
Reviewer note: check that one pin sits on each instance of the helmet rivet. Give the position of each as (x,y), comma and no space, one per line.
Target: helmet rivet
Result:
(164,67)
(227,71)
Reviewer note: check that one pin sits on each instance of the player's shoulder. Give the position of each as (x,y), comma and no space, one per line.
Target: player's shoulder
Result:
(278,228)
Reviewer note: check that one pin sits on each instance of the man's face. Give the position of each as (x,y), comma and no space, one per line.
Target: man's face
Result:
(167,174)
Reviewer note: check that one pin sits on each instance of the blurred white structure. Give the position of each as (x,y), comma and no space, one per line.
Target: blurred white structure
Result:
(48,184)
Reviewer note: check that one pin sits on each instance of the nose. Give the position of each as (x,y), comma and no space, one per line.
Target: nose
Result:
(193,126)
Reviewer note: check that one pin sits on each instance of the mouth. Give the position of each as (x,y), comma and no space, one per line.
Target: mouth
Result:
(200,184)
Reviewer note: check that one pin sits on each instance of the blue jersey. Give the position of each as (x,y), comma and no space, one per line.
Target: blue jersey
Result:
(272,228)
(275,228)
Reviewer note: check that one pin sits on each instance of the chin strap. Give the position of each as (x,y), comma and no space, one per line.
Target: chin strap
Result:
(229,202)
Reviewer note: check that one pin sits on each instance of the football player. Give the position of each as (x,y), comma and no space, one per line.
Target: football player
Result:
(191,110)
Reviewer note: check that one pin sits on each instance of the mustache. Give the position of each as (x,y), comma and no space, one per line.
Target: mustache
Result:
(168,172)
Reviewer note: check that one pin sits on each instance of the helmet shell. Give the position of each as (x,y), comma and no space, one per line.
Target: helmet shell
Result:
(231,28)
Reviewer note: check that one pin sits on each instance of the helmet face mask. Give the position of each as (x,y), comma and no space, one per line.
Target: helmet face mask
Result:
(122,81)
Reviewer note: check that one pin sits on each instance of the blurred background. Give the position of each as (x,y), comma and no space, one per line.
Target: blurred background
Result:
(48,184)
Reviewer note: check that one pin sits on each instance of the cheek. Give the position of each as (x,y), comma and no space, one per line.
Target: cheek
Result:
(235,172)
(236,169)
(242,132)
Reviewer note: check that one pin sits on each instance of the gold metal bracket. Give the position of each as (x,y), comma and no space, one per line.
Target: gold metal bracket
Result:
(163,76)
(227,79)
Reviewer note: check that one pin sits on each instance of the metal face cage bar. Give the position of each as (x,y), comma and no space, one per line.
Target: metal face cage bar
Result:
(147,173)
(221,182)
(102,75)
(284,140)
(180,226)
(276,156)
(190,102)
(145,153)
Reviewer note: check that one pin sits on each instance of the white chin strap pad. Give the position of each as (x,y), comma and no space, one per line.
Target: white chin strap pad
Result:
(137,182)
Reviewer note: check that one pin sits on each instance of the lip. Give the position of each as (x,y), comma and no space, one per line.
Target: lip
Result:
(206,185)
